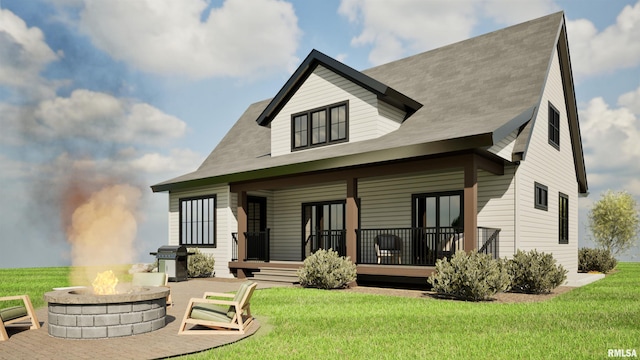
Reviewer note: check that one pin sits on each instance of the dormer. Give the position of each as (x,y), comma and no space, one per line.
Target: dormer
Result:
(325,103)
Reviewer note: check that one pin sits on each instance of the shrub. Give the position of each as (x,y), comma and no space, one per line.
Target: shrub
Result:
(474,276)
(535,273)
(199,264)
(325,269)
(595,260)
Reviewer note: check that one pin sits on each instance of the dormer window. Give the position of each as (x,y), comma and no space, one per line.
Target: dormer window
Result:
(319,127)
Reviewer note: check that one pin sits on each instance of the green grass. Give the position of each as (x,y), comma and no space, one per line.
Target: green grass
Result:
(316,324)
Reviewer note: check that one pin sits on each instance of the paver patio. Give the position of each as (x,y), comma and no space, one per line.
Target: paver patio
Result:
(37,344)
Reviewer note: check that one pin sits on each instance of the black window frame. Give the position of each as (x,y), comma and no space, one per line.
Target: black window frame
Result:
(197,230)
(317,205)
(563,218)
(308,129)
(554,126)
(541,196)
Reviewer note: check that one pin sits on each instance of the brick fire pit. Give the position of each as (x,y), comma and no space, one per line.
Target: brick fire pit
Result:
(79,314)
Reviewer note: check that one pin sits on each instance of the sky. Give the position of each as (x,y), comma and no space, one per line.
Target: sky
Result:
(111,92)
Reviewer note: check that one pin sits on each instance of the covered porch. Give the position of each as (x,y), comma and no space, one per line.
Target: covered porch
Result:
(406,244)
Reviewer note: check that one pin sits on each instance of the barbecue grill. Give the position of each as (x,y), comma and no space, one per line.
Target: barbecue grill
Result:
(172,260)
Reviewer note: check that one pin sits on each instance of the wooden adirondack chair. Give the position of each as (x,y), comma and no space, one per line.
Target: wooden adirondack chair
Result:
(231,316)
(17,316)
(153,279)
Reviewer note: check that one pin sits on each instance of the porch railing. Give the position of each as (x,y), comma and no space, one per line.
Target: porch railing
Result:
(418,246)
(257,245)
(327,239)
(234,246)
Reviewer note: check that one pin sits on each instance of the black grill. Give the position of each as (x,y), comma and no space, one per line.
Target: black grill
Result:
(172,259)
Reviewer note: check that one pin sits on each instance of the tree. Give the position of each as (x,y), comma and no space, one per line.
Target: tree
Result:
(614,221)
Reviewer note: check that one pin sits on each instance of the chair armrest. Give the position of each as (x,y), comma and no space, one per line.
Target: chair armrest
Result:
(213,301)
(217,294)
(15,297)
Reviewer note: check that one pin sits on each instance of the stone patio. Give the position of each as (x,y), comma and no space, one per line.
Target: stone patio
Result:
(162,343)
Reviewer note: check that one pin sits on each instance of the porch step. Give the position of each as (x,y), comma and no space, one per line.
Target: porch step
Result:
(277,275)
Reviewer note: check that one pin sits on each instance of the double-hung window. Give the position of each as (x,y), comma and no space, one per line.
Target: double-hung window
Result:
(321,126)
(554,127)
(198,221)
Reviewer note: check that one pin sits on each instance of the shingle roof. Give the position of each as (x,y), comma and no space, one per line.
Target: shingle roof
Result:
(473,93)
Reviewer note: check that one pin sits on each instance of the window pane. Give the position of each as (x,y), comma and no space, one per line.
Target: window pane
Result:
(431,212)
(339,123)
(300,132)
(318,127)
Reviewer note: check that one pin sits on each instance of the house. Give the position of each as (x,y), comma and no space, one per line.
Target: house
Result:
(475,145)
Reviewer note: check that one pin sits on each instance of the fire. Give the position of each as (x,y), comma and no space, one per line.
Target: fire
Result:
(105,283)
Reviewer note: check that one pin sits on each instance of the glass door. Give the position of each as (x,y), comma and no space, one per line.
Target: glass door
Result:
(323,227)
(439,223)
(257,235)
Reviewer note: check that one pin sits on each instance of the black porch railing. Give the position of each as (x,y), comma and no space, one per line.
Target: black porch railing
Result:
(488,241)
(257,245)
(234,246)
(327,239)
(418,246)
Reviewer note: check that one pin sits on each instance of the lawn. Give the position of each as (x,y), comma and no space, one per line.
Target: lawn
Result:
(316,324)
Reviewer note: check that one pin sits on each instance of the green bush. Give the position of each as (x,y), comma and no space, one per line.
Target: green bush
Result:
(474,276)
(199,264)
(325,269)
(535,273)
(595,260)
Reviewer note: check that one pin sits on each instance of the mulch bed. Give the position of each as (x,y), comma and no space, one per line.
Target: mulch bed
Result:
(498,298)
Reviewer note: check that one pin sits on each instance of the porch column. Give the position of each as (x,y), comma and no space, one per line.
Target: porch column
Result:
(351,217)
(470,204)
(242,228)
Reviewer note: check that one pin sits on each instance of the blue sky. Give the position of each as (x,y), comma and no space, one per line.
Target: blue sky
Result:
(140,91)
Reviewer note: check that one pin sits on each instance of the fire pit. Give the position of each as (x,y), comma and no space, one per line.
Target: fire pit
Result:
(79,314)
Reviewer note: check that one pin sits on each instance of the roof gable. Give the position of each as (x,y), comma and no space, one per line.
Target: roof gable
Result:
(315,58)
(524,137)
(472,93)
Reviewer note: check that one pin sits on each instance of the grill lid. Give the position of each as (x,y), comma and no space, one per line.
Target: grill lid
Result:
(174,250)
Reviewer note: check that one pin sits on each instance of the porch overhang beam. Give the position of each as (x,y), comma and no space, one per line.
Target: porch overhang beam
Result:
(483,161)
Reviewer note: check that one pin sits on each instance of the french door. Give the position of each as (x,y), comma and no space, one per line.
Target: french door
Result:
(439,223)
(323,227)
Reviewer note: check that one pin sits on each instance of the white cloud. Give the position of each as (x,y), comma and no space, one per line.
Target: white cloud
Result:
(600,52)
(23,55)
(239,39)
(179,161)
(631,100)
(398,28)
(611,140)
(100,117)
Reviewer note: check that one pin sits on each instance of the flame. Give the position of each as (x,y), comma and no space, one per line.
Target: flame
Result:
(105,283)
